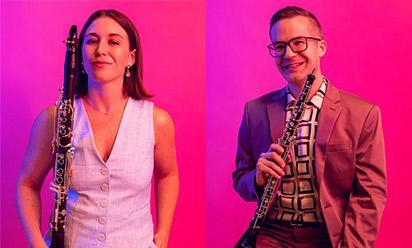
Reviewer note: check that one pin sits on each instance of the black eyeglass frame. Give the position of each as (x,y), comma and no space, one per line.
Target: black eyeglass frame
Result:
(270,46)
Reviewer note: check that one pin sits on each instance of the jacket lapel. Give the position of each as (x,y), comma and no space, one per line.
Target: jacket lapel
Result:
(276,114)
(330,110)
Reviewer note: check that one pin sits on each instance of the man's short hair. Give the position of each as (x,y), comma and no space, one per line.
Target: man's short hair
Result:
(292,11)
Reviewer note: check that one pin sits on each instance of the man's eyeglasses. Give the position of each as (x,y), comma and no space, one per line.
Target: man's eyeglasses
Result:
(298,44)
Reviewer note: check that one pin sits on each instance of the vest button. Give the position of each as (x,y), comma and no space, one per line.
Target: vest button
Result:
(103,204)
(104,171)
(102,219)
(101,236)
(104,187)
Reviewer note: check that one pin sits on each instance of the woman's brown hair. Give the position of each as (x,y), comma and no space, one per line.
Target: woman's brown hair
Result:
(133,85)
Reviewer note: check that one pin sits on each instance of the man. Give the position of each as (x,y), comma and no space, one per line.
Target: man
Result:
(333,184)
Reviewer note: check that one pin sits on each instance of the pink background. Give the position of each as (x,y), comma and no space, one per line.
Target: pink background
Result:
(173,40)
(369,54)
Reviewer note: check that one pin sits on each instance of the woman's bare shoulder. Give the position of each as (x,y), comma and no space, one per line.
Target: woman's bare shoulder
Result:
(162,118)
(45,118)
(43,126)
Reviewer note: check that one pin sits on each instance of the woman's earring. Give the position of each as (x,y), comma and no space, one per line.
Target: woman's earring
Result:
(127,74)
(82,69)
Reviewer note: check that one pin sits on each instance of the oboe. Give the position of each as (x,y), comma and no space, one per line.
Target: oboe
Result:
(248,239)
(62,142)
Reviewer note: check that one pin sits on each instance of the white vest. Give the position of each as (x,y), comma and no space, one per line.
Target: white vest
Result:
(109,202)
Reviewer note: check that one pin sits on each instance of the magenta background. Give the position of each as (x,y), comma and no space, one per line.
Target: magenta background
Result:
(366,55)
(32,56)
(369,53)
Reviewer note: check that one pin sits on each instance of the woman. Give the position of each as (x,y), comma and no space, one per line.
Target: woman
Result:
(120,140)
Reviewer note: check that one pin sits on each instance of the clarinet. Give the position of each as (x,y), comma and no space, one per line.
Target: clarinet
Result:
(248,239)
(62,142)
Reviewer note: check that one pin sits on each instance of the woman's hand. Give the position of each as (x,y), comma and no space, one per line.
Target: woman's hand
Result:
(39,244)
(161,239)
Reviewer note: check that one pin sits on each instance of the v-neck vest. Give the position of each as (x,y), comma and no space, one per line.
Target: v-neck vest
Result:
(109,202)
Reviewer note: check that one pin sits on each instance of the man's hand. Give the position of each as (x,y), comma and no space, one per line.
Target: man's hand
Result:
(270,163)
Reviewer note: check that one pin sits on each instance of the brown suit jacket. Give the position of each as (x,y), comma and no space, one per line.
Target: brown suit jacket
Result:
(349,154)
